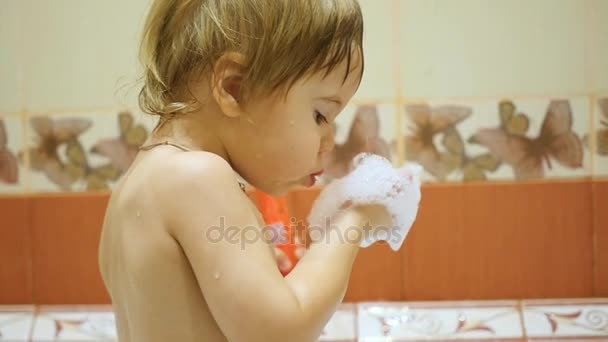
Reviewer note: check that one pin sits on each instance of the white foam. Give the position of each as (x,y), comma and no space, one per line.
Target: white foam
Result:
(374,180)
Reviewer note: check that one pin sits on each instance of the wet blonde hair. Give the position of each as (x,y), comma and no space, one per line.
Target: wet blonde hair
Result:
(281,40)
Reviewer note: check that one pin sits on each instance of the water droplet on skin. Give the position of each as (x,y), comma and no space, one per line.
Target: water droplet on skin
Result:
(216,275)
(138,214)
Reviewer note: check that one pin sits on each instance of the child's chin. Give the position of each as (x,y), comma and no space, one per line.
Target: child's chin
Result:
(280,191)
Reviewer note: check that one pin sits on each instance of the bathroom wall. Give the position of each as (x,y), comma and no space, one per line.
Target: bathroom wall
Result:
(464,87)
(73,64)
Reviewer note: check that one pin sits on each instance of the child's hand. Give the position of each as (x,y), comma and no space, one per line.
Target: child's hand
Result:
(375,216)
(386,197)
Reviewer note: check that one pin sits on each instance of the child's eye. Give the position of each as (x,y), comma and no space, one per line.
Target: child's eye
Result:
(319,118)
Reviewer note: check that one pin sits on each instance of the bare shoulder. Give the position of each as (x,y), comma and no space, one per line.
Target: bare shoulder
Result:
(219,232)
(202,186)
(199,166)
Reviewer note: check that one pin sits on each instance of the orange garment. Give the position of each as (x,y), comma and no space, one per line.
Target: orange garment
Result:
(275,212)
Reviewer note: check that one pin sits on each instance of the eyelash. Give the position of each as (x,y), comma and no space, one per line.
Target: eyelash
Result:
(320,117)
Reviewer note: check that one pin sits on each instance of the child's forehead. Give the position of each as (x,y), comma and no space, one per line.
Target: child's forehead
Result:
(341,77)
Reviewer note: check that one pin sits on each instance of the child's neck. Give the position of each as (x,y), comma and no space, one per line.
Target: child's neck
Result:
(191,132)
(184,134)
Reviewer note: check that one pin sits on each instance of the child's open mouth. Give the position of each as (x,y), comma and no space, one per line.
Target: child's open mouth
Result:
(314,177)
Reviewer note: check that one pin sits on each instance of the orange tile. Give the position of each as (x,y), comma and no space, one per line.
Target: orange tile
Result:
(15,268)
(65,238)
(498,241)
(376,275)
(600,221)
(432,259)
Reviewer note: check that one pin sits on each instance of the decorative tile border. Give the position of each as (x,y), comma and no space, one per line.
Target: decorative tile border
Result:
(82,151)
(567,318)
(543,320)
(361,127)
(16,323)
(11,140)
(66,323)
(600,136)
(456,140)
(417,321)
(342,325)
(498,139)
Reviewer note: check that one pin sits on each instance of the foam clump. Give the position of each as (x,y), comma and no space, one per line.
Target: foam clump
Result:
(373,180)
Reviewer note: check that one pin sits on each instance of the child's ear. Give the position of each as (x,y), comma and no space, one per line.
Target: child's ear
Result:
(227,81)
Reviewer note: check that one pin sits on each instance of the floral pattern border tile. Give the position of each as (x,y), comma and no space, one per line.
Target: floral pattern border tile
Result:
(498,139)
(600,135)
(82,151)
(455,139)
(544,320)
(74,323)
(566,319)
(361,127)
(11,140)
(342,325)
(411,321)
(16,323)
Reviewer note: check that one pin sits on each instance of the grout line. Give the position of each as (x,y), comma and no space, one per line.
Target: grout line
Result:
(101,110)
(20,66)
(399,79)
(356,321)
(591,134)
(589,35)
(27,166)
(594,244)
(30,338)
(32,274)
(522,320)
(396,40)
(29,245)
(9,115)
(514,97)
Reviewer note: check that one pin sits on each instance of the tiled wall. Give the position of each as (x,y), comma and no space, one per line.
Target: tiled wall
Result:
(472,89)
(483,241)
(581,320)
(438,74)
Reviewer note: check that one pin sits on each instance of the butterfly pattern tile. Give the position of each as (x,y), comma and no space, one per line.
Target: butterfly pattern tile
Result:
(476,140)
(601,137)
(552,149)
(419,321)
(426,126)
(121,148)
(11,177)
(360,128)
(342,325)
(81,152)
(64,325)
(16,323)
(566,320)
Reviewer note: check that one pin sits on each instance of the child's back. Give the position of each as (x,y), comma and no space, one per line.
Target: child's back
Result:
(153,287)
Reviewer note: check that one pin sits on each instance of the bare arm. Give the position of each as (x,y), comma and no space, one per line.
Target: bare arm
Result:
(236,269)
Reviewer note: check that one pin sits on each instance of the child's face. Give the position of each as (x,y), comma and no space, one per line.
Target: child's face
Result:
(287,139)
